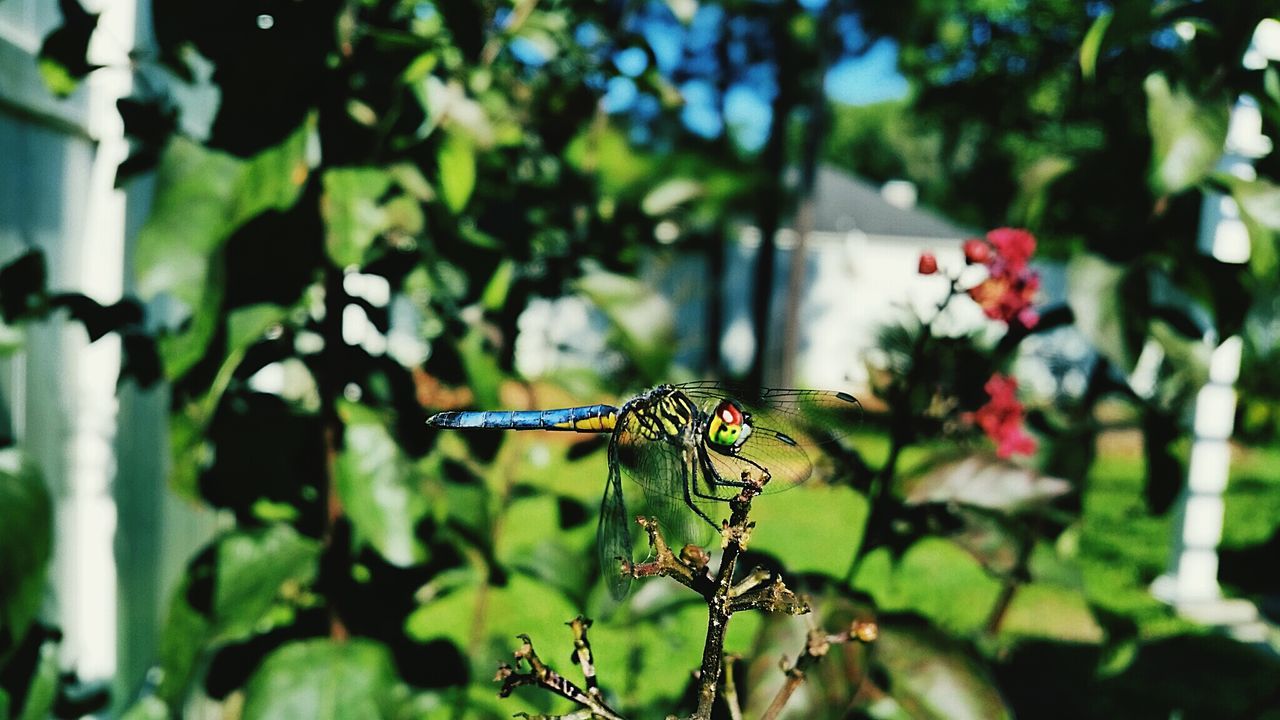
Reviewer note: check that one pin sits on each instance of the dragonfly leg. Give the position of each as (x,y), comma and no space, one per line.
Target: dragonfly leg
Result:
(690,484)
(714,478)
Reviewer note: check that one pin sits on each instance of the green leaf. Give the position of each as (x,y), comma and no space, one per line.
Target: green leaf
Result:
(789,529)
(671,194)
(483,373)
(1092,44)
(1094,288)
(254,568)
(1259,203)
(246,325)
(1045,610)
(935,677)
(43,689)
(352,214)
(148,708)
(325,680)
(495,293)
(641,319)
(1187,135)
(189,449)
(378,487)
(63,60)
(942,582)
(26,542)
(457,160)
(357,212)
(202,197)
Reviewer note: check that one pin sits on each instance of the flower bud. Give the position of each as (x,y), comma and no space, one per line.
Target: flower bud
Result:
(976,251)
(928,263)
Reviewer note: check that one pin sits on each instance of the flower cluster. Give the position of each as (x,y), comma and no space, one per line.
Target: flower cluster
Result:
(1011,284)
(1001,418)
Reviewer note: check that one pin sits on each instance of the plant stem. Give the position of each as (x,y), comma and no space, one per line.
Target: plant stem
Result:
(900,435)
(718,610)
(329,382)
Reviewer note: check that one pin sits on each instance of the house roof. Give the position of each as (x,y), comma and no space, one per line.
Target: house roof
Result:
(844,203)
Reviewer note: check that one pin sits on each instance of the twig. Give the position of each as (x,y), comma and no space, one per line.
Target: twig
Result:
(731,688)
(817,645)
(736,531)
(688,570)
(582,656)
(541,675)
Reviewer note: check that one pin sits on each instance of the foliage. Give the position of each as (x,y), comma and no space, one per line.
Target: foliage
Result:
(386,184)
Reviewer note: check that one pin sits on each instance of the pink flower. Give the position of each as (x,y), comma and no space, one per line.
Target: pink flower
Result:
(1001,418)
(1015,246)
(928,263)
(1010,287)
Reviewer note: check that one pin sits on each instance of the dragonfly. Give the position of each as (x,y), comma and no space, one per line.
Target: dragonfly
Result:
(691,447)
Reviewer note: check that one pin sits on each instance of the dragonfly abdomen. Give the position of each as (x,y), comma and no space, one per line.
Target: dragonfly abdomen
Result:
(586,419)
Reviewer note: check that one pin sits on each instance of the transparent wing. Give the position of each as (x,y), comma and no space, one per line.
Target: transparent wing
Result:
(613,536)
(789,428)
(658,466)
(787,463)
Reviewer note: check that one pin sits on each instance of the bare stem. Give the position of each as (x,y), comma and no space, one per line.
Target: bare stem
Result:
(731,689)
(817,645)
(735,532)
(541,675)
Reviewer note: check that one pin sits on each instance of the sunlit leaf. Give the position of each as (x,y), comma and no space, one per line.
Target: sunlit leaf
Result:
(357,211)
(376,483)
(984,482)
(641,318)
(1187,135)
(481,367)
(937,579)
(253,569)
(352,211)
(788,528)
(670,194)
(495,293)
(325,680)
(1259,203)
(457,160)
(1094,288)
(202,197)
(1092,44)
(934,676)
(1044,610)
(246,325)
(26,541)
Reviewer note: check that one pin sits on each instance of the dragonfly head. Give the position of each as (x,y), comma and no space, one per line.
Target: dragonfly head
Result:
(728,427)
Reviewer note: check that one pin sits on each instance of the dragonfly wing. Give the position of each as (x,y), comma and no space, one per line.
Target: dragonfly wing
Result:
(658,465)
(787,462)
(613,536)
(789,428)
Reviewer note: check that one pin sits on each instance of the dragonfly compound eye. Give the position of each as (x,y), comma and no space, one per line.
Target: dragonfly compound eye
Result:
(727,427)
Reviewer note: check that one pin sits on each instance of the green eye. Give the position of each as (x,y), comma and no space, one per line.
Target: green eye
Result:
(726,434)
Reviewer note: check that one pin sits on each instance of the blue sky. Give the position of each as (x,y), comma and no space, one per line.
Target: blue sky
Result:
(868,79)
(688,50)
